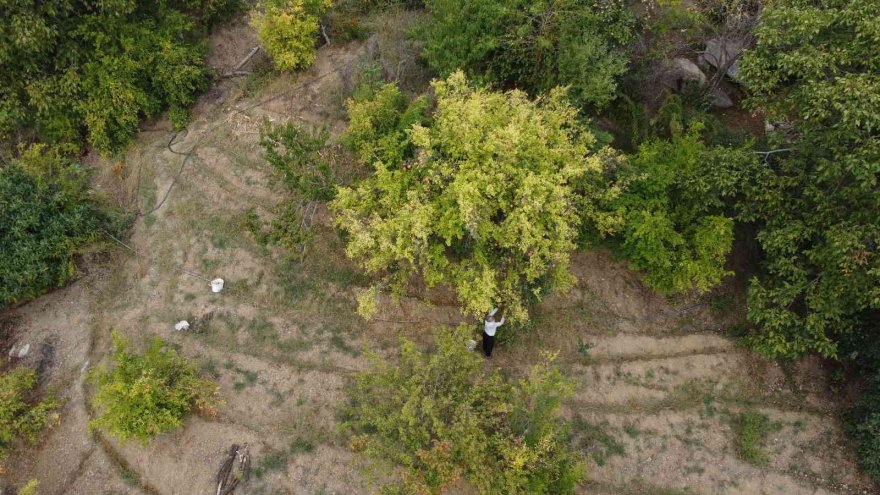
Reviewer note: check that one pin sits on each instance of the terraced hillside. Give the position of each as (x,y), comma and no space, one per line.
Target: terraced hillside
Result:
(665,404)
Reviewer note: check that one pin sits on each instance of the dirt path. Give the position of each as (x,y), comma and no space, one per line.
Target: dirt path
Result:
(659,392)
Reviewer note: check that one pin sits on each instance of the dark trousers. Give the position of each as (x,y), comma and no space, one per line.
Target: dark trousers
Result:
(488,344)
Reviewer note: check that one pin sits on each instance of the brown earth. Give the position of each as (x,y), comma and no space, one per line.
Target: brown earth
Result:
(659,389)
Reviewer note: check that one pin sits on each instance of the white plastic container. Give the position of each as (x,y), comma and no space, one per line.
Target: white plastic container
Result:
(217,285)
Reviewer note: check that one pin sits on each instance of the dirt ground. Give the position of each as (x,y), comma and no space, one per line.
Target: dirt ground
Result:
(659,388)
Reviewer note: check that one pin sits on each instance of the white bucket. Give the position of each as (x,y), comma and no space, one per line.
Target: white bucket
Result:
(217,285)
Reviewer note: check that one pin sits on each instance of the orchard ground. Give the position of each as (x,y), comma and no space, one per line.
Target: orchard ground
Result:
(662,394)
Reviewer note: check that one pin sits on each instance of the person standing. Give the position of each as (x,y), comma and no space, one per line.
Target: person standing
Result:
(489,328)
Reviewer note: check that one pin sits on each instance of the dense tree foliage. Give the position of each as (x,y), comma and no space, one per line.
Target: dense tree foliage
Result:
(48,215)
(288,30)
(533,45)
(85,72)
(666,213)
(23,414)
(441,417)
(485,205)
(816,200)
(144,395)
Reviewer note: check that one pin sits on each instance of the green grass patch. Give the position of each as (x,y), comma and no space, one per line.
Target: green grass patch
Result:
(751,429)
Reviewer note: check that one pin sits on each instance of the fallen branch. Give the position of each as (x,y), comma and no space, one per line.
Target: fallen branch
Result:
(229,478)
(765,153)
(253,52)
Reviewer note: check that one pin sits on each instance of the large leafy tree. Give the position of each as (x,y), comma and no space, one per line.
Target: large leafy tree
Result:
(534,45)
(815,198)
(77,72)
(484,205)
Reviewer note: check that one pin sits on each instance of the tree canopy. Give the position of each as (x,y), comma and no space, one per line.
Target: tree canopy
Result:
(816,70)
(485,205)
(534,46)
(443,418)
(79,72)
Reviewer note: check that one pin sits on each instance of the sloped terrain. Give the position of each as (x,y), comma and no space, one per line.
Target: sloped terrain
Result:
(660,392)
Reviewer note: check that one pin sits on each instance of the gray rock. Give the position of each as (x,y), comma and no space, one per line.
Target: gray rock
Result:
(719,51)
(682,69)
(721,99)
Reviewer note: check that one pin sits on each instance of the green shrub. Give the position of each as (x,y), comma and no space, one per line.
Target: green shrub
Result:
(23,415)
(533,45)
(666,212)
(483,201)
(148,394)
(288,30)
(48,216)
(87,72)
(378,124)
(300,157)
(442,417)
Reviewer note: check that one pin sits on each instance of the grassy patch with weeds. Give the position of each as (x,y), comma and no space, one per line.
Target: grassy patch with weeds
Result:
(276,460)
(595,440)
(751,429)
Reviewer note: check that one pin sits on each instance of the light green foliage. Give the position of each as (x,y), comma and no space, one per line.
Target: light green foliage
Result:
(441,417)
(299,155)
(47,218)
(288,30)
(86,72)
(30,488)
(534,45)
(23,415)
(816,205)
(667,215)
(485,205)
(148,394)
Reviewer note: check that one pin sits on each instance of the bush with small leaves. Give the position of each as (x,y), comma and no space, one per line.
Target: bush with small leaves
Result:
(665,212)
(288,30)
(23,415)
(299,155)
(48,216)
(442,418)
(148,394)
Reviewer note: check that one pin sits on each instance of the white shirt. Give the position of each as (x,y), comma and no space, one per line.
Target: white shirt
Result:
(491,326)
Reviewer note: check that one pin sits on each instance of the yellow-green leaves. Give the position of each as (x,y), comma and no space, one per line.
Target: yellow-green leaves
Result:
(442,418)
(288,29)
(481,200)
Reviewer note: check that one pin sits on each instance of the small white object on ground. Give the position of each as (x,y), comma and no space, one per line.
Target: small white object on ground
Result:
(181,325)
(23,351)
(471,345)
(217,285)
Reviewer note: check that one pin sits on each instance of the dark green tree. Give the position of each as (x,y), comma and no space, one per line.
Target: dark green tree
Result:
(76,72)
(815,198)
(47,217)
(534,45)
